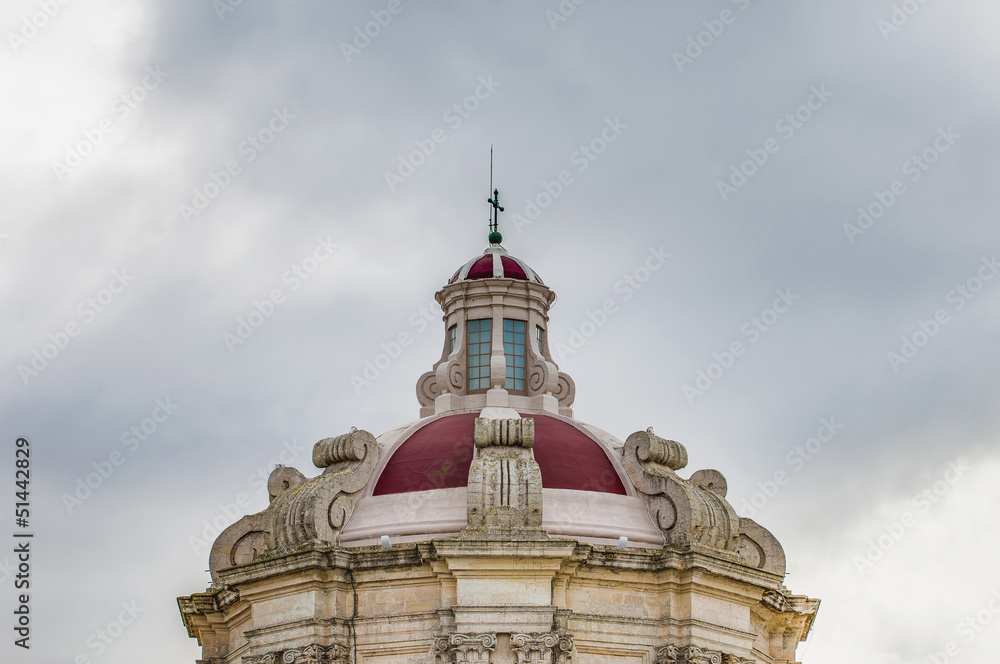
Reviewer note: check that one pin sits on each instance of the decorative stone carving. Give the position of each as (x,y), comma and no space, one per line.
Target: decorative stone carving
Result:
(542,648)
(239,544)
(565,391)
(505,483)
(313,654)
(248,548)
(685,512)
(759,548)
(302,509)
(318,508)
(673,654)
(655,450)
(712,480)
(465,648)
(282,479)
(505,433)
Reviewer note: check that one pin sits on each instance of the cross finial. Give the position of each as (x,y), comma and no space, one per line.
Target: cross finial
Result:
(495,202)
(495,236)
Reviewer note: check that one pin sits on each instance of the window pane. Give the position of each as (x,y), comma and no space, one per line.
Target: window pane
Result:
(479,354)
(513,350)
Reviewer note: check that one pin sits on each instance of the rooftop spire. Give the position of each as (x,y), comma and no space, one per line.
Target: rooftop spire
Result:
(495,236)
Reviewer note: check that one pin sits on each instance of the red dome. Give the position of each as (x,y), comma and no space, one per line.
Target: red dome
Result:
(438,456)
(495,264)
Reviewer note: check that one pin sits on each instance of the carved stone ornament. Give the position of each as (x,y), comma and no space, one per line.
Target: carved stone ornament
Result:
(318,508)
(302,509)
(686,512)
(465,648)
(505,483)
(673,654)
(551,648)
(312,654)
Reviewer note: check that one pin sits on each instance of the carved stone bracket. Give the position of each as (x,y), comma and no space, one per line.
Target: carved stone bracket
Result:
(673,654)
(318,508)
(505,483)
(313,654)
(465,648)
(686,512)
(551,648)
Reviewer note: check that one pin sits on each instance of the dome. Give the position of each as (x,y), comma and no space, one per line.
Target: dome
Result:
(438,454)
(495,263)
(420,488)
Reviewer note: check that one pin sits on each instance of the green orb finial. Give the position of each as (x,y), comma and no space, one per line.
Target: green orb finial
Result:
(496,237)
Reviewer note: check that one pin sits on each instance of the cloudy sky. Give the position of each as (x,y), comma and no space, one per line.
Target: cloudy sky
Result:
(819,177)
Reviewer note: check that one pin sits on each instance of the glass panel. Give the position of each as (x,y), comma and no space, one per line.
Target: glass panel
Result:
(479,354)
(513,350)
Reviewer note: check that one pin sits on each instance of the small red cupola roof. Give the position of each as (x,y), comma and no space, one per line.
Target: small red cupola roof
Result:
(495,264)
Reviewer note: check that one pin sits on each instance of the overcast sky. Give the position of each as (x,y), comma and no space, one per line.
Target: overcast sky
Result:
(822,177)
